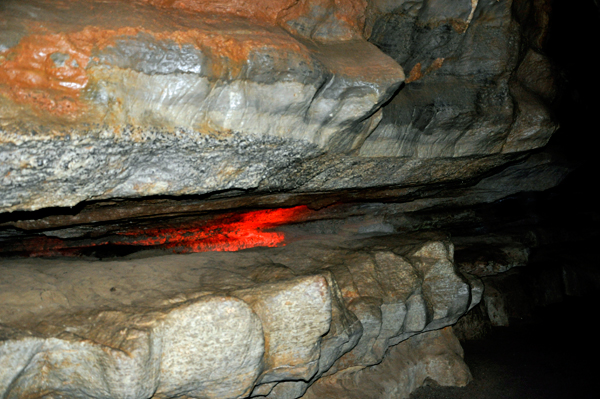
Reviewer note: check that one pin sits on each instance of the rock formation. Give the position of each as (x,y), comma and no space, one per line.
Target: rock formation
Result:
(108,99)
(264,323)
(328,130)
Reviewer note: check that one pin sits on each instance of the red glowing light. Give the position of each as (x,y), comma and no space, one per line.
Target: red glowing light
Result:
(231,232)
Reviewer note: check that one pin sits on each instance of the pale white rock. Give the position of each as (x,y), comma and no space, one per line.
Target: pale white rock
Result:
(259,323)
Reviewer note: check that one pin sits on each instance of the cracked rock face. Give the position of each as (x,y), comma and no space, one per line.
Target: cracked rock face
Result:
(259,323)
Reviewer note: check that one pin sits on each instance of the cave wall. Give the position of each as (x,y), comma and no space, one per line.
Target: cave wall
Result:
(134,99)
(373,117)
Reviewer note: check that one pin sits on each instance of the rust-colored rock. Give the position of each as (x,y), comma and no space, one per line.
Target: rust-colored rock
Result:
(231,97)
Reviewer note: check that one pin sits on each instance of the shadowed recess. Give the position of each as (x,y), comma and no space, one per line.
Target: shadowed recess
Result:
(228,232)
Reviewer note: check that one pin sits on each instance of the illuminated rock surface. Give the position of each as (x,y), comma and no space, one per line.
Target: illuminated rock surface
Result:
(113,99)
(263,322)
(122,99)
(124,124)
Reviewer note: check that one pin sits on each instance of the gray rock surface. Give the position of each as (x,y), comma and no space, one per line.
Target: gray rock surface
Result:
(477,82)
(435,355)
(173,99)
(257,323)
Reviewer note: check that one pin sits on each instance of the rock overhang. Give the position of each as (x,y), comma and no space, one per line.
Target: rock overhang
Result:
(96,83)
(116,99)
(229,106)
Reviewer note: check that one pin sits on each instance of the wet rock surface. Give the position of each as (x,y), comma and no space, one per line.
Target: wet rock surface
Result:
(257,323)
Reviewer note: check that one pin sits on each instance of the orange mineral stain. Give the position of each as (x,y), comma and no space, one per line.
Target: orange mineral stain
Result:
(47,68)
(48,71)
(265,11)
(275,12)
(416,73)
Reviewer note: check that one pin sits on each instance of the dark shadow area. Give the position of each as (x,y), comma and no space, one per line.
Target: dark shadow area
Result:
(554,352)
(552,355)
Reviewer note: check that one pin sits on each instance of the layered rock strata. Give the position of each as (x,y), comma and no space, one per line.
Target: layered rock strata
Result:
(258,323)
(113,99)
(256,104)
(477,83)
(122,99)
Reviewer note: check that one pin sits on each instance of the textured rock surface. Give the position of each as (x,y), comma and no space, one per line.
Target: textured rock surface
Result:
(477,82)
(255,323)
(109,99)
(490,255)
(435,355)
(254,104)
(158,101)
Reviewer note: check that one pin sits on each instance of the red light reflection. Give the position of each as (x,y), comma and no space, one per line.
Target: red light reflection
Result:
(232,232)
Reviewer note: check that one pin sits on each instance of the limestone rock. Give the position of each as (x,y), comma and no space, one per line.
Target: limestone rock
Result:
(469,90)
(538,172)
(258,323)
(434,355)
(293,342)
(171,102)
(200,97)
(496,259)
